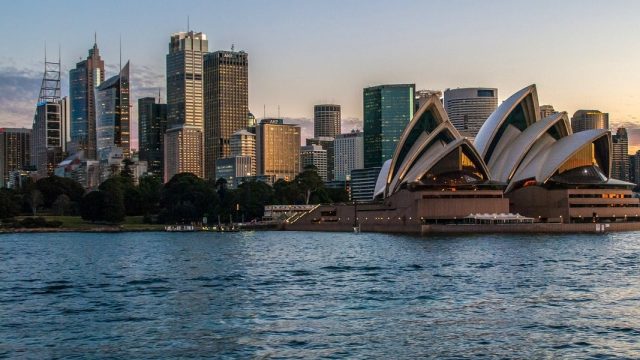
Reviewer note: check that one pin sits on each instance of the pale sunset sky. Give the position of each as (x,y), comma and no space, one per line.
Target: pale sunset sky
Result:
(581,54)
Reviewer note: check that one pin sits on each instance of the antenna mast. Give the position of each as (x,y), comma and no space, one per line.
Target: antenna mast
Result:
(50,88)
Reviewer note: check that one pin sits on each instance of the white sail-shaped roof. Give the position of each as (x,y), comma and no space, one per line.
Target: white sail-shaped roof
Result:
(544,163)
(516,113)
(506,161)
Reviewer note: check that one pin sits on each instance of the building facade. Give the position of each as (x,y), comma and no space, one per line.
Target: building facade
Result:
(546,110)
(15,152)
(468,108)
(48,141)
(243,143)
(233,169)
(349,154)
(87,75)
(326,120)
(152,124)
(589,120)
(226,103)
(317,156)
(185,112)
(387,110)
(363,183)
(634,168)
(327,144)
(278,149)
(112,115)
(620,155)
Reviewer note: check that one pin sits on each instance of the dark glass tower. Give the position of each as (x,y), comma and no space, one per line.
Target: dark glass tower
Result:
(87,75)
(112,115)
(387,111)
(226,103)
(152,124)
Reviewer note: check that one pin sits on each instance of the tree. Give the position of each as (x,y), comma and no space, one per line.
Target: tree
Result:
(34,199)
(53,186)
(61,205)
(150,189)
(186,198)
(252,197)
(9,204)
(309,182)
(92,206)
(114,210)
(127,173)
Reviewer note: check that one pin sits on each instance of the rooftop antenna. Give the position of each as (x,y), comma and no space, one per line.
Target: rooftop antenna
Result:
(120,44)
(233,46)
(95,38)
(159,97)
(278,111)
(264,111)
(188,26)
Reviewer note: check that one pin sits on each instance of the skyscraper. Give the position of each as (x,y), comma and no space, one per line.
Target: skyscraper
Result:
(243,143)
(327,144)
(620,158)
(387,110)
(317,156)
(634,168)
(48,141)
(348,154)
(326,120)
(226,103)
(87,75)
(589,120)
(546,110)
(152,124)
(185,117)
(424,95)
(278,149)
(15,152)
(469,108)
(112,115)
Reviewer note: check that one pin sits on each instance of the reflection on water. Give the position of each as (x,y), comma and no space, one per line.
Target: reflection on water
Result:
(291,295)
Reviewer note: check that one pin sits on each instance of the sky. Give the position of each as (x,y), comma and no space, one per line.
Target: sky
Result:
(581,54)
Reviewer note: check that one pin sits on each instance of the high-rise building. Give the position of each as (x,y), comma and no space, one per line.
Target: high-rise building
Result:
(326,120)
(387,110)
(152,124)
(327,144)
(363,183)
(634,168)
(233,168)
(620,158)
(15,152)
(87,75)
(185,116)
(48,143)
(243,143)
(317,156)
(469,108)
(278,149)
(112,115)
(424,95)
(589,120)
(348,154)
(226,103)
(546,110)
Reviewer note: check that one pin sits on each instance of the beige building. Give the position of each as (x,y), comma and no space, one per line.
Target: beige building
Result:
(278,149)
(189,139)
(185,115)
(589,120)
(243,143)
(226,103)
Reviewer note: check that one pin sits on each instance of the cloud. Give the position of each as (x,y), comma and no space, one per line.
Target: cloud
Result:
(19,90)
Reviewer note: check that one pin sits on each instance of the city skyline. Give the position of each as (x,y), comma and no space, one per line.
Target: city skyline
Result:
(330,59)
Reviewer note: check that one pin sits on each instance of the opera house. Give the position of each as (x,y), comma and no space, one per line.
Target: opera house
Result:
(520,169)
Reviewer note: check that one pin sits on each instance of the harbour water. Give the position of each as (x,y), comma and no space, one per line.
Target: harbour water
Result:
(319,295)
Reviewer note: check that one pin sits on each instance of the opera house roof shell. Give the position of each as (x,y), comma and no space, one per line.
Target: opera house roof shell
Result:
(514,147)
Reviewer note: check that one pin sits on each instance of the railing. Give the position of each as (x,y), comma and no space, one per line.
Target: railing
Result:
(297,216)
